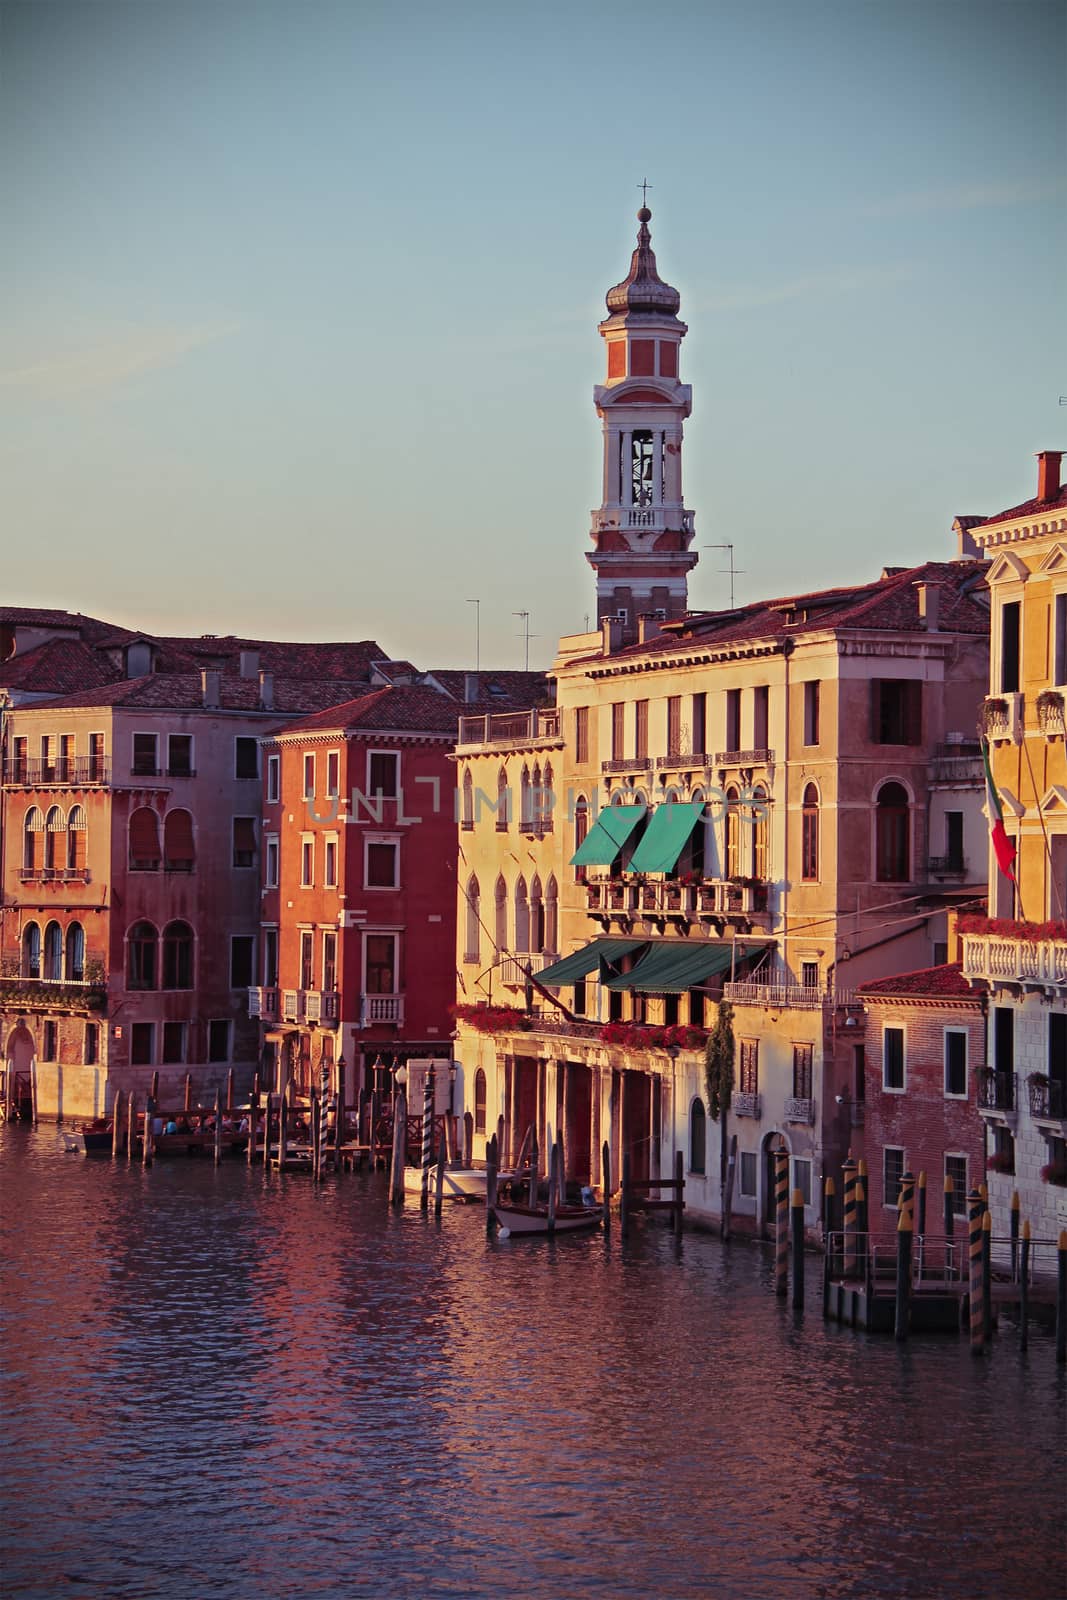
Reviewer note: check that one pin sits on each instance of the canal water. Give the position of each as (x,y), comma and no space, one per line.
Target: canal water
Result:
(218,1383)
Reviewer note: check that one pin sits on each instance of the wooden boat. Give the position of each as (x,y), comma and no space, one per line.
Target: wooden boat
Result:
(461,1183)
(519,1219)
(95,1137)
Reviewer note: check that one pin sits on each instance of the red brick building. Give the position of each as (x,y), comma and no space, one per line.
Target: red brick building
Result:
(923,1053)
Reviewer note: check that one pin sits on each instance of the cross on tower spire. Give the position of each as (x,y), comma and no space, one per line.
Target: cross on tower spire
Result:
(644,188)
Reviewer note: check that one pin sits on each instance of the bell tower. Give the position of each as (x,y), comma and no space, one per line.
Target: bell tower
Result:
(641,531)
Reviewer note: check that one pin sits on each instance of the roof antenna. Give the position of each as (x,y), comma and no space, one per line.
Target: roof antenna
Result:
(525,615)
(731,568)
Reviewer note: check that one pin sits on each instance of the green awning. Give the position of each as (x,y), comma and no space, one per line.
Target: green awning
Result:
(670,966)
(607,836)
(580,963)
(666,836)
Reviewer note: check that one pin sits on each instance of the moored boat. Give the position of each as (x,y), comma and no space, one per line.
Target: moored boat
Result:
(519,1219)
(461,1183)
(95,1138)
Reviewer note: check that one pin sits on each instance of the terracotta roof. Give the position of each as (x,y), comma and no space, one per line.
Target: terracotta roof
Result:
(287,658)
(183,691)
(499,690)
(58,666)
(407,709)
(1028,508)
(939,983)
(38,617)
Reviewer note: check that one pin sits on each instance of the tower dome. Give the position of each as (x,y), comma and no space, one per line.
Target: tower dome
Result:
(643,290)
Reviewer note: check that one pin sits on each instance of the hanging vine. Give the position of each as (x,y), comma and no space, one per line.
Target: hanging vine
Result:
(719,1063)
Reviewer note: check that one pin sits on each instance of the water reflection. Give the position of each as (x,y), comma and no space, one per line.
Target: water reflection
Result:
(220,1382)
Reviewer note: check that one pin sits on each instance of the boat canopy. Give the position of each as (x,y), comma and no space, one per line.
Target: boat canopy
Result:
(666,836)
(606,837)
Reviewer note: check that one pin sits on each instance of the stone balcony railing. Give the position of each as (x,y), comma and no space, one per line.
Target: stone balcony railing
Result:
(786,996)
(1002,718)
(82,772)
(746,1105)
(800,1110)
(1050,714)
(268,1004)
(1000,958)
(510,728)
(51,994)
(513,969)
(667,897)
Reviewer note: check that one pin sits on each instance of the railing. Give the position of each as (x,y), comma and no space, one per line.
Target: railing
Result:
(675,759)
(798,1110)
(1050,714)
(513,968)
(947,866)
(1048,1100)
(54,875)
(661,517)
(625,764)
(997,1090)
(81,772)
(263,1003)
(1002,717)
(143,770)
(668,897)
(383,1008)
(291,1005)
(785,996)
(999,958)
(509,727)
(47,994)
(744,758)
(746,1105)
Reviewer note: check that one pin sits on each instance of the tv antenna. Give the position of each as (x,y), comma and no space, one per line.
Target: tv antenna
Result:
(731,569)
(526,634)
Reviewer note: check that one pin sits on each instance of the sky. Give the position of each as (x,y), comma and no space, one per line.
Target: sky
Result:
(298,302)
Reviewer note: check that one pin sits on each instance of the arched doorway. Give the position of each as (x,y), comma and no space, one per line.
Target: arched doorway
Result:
(772,1143)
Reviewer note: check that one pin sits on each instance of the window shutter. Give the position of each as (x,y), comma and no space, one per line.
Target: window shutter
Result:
(144,836)
(913,726)
(876,711)
(178,834)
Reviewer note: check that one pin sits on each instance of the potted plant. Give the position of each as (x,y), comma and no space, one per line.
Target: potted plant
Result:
(1055,1172)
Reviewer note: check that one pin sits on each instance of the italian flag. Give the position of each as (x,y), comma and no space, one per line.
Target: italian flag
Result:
(1003,847)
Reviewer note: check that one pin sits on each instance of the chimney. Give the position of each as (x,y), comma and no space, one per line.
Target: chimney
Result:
(209,680)
(611,634)
(266,691)
(649,627)
(966,546)
(929,605)
(1048,475)
(470,686)
(249,663)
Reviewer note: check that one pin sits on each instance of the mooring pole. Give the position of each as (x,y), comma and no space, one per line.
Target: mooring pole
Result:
(400,1130)
(553,1186)
(1061,1299)
(950,1209)
(679,1193)
(116,1124)
(798,1250)
(987,1274)
(605,1167)
(975,1210)
(218,1126)
(624,1198)
(427,1137)
(922,1204)
(781,1222)
(1015,1236)
(439,1195)
(902,1316)
(848,1172)
(1024,1289)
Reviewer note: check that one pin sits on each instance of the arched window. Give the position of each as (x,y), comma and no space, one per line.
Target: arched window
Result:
(581,828)
(892,826)
(75,953)
(547,798)
(177,956)
(525,800)
(77,840)
(141,960)
(551,916)
(53,849)
(144,840)
(479,1101)
(537,916)
(760,831)
(503,801)
(32,841)
(809,834)
(468,800)
(501,931)
(522,917)
(53,953)
(473,947)
(179,852)
(31,951)
(698,1137)
(733,834)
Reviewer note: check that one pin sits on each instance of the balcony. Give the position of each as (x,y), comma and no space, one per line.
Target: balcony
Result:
(626,764)
(46,994)
(1050,714)
(263,1003)
(86,773)
(682,760)
(1002,718)
(54,875)
(1048,1098)
(746,1105)
(310,1006)
(799,1110)
(382,1009)
(997,1091)
(513,968)
(999,958)
(744,758)
(512,728)
(785,996)
(959,762)
(648,519)
(947,867)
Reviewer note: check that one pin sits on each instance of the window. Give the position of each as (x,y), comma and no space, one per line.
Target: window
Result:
(811,712)
(501,930)
(581,828)
(809,835)
(1003,1039)
(329,862)
(383,774)
(145,853)
(733,834)
(640,729)
(309,777)
(32,841)
(142,1044)
(179,755)
(809,974)
(50,1042)
(859,1072)
(700,724)
(383,859)
(20,760)
(479,1101)
(1010,618)
(96,758)
(467,791)
(307,861)
(618,724)
(75,966)
(333,773)
(329,963)
(581,735)
(803,1055)
(698,1127)
(956,1171)
(472,943)
(145,759)
(893,1059)
(274,779)
(179,853)
(503,801)
(1002,1156)
(1059,639)
(892,828)
(177,956)
(31,951)
(307,960)
(173,1046)
(218,1040)
(892,1172)
(522,917)
(380,952)
(270,957)
(53,953)
(733,719)
(245,758)
(48,758)
(54,853)
(758,811)
(896,711)
(65,768)
(748,1174)
(271,869)
(242,960)
(955,1062)
(244,841)
(91,1044)
(551,941)
(954,841)
(748,1081)
(674,725)
(802,1177)
(761,716)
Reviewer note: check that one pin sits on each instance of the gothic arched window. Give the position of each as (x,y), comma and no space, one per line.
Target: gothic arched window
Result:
(809,834)
(892,828)
(473,944)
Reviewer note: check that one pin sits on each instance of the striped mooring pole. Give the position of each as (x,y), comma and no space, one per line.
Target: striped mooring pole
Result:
(950,1209)
(797,1211)
(781,1222)
(849,1221)
(975,1212)
(1024,1288)
(902,1312)
(922,1204)
(1015,1236)
(324,1117)
(862,1196)
(1061,1299)
(427,1135)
